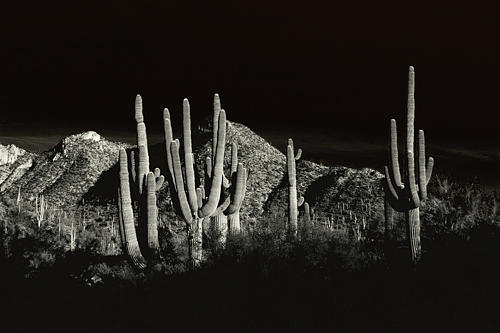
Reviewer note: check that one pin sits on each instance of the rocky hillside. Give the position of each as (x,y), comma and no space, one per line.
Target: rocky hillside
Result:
(63,174)
(84,166)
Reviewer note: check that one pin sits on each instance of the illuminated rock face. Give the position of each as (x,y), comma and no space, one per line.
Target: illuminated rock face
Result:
(9,154)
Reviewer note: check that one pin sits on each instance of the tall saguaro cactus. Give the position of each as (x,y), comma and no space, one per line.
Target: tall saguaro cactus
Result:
(145,185)
(195,203)
(293,211)
(407,193)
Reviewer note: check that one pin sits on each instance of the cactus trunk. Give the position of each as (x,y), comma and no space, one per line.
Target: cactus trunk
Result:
(234,223)
(195,236)
(220,225)
(389,220)
(413,229)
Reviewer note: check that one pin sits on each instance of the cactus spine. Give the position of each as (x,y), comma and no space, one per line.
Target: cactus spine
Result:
(293,211)
(407,197)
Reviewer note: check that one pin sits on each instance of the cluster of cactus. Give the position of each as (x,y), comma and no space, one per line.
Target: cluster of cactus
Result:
(220,203)
(221,208)
(219,199)
(402,192)
(145,184)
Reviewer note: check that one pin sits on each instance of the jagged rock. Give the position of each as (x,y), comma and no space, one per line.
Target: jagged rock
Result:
(10,153)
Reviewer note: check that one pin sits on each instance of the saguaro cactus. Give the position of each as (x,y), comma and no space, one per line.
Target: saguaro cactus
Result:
(145,184)
(293,211)
(126,214)
(403,194)
(195,203)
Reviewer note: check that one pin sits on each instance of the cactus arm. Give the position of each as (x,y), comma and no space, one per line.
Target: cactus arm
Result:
(300,202)
(234,158)
(307,212)
(215,189)
(239,190)
(199,196)
(415,200)
(208,169)
(152,214)
(410,123)
(181,194)
(167,126)
(219,210)
(291,166)
(393,147)
(128,214)
(430,166)
(139,118)
(422,177)
(188,155)
(143,167)
(159,182)
(120,219)
(215,124)
(299,154)
(132,166)
(203,196)
(157,173)
(388,182)
(142,139)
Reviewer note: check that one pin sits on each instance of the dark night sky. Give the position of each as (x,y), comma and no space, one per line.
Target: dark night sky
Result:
(276,65)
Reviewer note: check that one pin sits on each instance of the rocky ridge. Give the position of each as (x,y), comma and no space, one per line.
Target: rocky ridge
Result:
(86,162)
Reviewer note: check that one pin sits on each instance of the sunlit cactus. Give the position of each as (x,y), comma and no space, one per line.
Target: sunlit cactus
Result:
(144,186)
(126,214)
(293,204)
(406,193)
(196,203)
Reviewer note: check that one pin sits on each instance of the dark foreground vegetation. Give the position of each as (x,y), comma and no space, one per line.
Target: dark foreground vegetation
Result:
(264,281)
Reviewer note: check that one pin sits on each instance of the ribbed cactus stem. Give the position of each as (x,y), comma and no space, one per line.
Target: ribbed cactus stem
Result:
(188,155)
(168,141)
(120,219)
(220,225)
(143,168)
(292,190)
(237,196)
(394,154)
(215,124)
(142,140)
(217,172)
(152,215)
(413,225)
(181,194)
(132,245)
(195,235)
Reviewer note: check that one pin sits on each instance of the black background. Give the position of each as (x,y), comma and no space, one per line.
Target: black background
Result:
(332,66)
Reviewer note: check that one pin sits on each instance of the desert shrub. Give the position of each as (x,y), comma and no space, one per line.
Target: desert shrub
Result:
(457,207)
